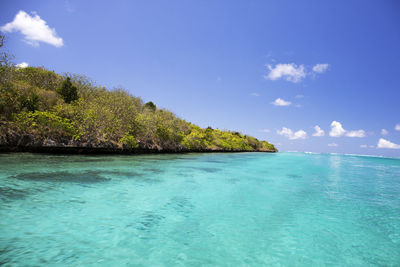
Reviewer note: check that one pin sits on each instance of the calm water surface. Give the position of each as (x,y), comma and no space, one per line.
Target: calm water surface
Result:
(241,209)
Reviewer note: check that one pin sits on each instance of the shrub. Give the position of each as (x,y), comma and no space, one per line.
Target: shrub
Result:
(128,140)
(39,77)
(44,123)
(30,102)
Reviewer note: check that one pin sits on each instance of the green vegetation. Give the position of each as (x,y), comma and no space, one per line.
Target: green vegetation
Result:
(67,91)
(72,111)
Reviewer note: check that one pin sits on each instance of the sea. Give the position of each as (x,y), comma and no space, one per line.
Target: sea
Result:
(200,209)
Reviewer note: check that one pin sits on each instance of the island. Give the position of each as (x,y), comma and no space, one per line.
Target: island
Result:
(42,111)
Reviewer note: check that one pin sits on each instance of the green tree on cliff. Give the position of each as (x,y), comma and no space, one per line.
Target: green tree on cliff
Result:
(150,105)
(68,91)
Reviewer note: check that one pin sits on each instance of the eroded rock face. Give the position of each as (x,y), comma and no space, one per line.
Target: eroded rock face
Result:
(49,142)
(26,140)
(9,138)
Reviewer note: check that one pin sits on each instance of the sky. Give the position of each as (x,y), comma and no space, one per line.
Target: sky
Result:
(318,76)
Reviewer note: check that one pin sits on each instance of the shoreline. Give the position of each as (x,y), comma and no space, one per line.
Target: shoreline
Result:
(113,151)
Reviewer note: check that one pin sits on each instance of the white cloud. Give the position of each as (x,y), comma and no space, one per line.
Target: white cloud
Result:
(22,65)
(34,29)
(318,131)
(333,145)
(291,72)
(299,96)
(300,134)
(320,68)
(255,94)
(281,102)
(383,143)
(337,130)
(366,146)
(384,132)
(294,73)
(397,127)
(357,133)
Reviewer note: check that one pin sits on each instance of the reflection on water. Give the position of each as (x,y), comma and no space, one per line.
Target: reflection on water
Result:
(334,176)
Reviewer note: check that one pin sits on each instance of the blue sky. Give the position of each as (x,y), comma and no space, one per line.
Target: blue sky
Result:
(271,69)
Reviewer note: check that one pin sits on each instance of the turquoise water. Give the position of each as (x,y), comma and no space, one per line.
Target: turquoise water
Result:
(239,209)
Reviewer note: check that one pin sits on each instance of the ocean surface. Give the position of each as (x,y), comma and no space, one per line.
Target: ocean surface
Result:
(217,209)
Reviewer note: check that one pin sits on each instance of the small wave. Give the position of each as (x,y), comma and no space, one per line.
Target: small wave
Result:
(309,152)
(344,154)
(371,156)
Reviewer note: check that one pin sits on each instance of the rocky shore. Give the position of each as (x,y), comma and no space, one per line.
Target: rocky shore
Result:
(12,141)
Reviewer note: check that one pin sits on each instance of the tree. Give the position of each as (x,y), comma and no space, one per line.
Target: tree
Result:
(150,105)
(68,91)
(6,65)
(5,58)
